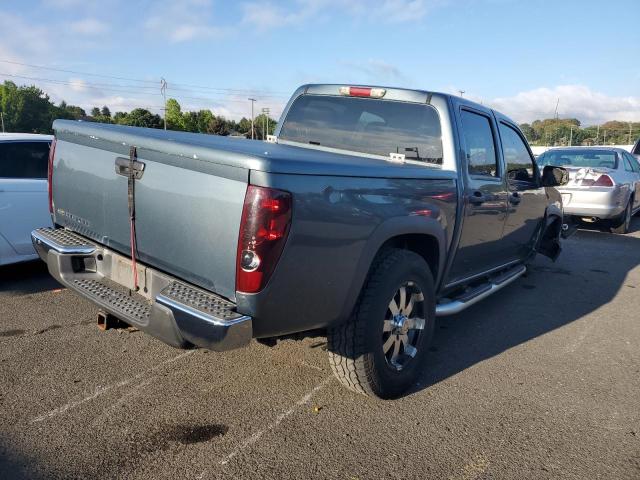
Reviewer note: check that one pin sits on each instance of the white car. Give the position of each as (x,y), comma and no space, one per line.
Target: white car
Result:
(24,203)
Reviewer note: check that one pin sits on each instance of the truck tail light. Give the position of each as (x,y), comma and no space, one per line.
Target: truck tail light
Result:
(603,181)
(264,227)
(362,92)
(52,152)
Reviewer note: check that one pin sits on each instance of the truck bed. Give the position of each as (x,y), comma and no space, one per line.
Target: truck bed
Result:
(190,198)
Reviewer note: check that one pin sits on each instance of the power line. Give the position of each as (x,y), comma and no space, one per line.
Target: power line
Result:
(132,89)
(152,83)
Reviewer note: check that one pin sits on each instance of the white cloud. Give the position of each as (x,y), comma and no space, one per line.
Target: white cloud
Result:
(576,101)
(183,20)
(23,39)
(89,26)
(264,15)
(374,71)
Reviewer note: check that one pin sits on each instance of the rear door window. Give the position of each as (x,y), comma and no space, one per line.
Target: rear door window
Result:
(24,159)
(480,145)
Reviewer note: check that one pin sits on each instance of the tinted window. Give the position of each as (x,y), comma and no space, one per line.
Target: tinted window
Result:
(478,138)
(520,167)
(634,163)
(636,148)
(24,159)
(627,164)
(579,158)
(377,127)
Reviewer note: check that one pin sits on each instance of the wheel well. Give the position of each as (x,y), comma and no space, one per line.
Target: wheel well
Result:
(424,245)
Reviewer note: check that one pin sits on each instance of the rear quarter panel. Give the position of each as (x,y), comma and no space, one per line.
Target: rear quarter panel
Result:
(338,225)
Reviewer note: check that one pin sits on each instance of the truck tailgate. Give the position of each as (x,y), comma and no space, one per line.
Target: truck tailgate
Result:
(188,210)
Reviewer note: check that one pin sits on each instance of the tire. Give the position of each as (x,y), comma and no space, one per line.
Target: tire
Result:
(376,353)
(623,224)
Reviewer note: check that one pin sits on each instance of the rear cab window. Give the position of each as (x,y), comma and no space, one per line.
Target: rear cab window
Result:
(24,159)
(366,126)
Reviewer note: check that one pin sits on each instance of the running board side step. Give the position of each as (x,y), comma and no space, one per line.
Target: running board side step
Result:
(471,297)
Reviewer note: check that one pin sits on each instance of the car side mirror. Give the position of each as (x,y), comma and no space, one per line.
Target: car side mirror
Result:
(554,176)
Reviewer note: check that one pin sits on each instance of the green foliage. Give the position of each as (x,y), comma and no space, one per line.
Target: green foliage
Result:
(139,117)
(28,109)
(174,117)
(563,132)
(25,109)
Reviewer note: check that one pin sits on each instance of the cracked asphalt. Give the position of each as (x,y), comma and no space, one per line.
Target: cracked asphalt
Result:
(541,380)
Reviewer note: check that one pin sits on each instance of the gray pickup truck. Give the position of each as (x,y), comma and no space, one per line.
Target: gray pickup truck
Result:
(370,212)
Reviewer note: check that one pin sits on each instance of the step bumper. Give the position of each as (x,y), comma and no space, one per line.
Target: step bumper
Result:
(171,310)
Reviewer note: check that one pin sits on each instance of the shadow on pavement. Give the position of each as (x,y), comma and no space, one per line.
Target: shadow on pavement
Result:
(552,295)
(26,278)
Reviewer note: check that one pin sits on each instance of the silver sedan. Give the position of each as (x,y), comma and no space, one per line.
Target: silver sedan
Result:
(604,184)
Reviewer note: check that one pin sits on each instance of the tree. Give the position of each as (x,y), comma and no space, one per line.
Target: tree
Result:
(140,117)
(174,115)
(106,112)
(203,118)
(69,112)
(218,126)
(25,109)
(244,127)
(260,123)
(95,112)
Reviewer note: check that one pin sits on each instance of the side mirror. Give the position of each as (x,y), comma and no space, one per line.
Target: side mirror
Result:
(554,176)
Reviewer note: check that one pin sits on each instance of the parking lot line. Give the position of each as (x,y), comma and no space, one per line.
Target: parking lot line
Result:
(278,420)
(100,390)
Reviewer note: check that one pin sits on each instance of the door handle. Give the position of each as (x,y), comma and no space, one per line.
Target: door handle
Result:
(477,198)
(514,198)
(122,167)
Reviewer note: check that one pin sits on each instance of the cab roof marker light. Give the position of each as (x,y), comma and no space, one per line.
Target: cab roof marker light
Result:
(362,92)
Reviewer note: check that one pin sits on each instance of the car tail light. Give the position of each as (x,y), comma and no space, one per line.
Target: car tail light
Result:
(52,152)
(603,181)
(264,227)
(363,92)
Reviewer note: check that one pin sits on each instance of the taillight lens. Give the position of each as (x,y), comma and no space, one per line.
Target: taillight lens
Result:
(603,181)
(52,152)
(264,227)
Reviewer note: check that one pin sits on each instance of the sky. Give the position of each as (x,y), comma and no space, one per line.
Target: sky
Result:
(520,57)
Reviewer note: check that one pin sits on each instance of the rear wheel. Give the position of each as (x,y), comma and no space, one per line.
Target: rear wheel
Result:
(622,225)
(381,350)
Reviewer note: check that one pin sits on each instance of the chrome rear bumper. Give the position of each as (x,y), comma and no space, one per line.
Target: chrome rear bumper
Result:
(601,203)
(177,313)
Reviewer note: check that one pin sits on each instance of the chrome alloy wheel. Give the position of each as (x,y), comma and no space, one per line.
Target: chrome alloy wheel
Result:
(403,325)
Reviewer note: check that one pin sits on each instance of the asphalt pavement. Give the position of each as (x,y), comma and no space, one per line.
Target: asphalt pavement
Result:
(541,380)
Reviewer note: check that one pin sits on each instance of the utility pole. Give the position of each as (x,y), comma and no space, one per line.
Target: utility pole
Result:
(252,100)
(462,92)
(597,133)
(163,91)
(265,121)
(557,103)
(571,135)
(628,141)
(604,141)
(2,119)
